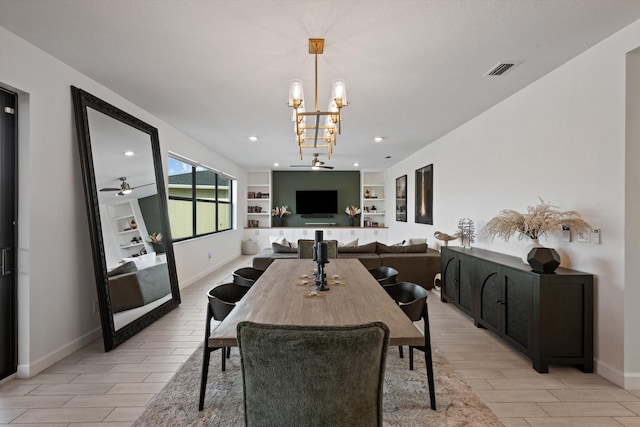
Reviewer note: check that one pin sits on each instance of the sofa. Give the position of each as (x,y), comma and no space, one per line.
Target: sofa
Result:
(130,287)
(415,263)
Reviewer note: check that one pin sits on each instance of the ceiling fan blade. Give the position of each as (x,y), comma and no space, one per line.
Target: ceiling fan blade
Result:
(143,185)
(111,189)
(326,167)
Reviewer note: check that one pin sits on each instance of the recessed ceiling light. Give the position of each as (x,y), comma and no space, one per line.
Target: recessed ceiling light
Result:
(356,164)
(387,157)
(253,138)
(378,139)
(128,153)
(276,164)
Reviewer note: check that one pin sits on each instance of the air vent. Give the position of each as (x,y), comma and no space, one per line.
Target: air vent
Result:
(501,68)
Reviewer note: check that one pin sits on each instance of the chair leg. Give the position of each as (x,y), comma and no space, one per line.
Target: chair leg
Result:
(410,358)
(203,379)
(429,360)
(224,359)
(401,352)
(228,352)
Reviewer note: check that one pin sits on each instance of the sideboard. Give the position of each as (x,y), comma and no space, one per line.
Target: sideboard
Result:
(548,317)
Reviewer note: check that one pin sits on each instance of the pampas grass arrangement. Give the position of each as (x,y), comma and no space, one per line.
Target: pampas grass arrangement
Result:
(537,221)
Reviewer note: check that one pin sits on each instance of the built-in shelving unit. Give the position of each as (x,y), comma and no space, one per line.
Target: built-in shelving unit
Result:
(258,199)
(373,199)
(126,229)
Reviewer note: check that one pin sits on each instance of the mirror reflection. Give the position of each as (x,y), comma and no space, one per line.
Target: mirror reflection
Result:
(138,277)
(128,218)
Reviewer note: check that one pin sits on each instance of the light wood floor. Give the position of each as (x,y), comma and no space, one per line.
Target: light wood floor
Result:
(92,388)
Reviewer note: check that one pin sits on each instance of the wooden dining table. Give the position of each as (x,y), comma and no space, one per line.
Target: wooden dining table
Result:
(283,295)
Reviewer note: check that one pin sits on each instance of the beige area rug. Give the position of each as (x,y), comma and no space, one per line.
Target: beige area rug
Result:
(406,396)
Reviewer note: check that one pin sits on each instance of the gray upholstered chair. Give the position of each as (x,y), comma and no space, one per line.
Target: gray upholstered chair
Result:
(222,299)
(305,248)
(246,276)
(313,375)
(384,275)
(412,299)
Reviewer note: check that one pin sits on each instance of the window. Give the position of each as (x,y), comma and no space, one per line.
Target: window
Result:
(200,200)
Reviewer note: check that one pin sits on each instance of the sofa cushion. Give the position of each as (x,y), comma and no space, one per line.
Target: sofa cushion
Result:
(127,267)
(381,248)
(369,248)
(417,241)
(283,249)
(350,244)
(369,260)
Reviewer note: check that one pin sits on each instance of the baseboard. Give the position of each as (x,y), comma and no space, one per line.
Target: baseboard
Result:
(37,366)
(631,381)
(190,281)
(607,371)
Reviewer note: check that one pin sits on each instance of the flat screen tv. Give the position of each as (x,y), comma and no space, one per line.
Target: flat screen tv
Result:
(315,202)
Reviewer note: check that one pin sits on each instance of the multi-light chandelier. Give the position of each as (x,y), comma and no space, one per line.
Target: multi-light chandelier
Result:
(321,133)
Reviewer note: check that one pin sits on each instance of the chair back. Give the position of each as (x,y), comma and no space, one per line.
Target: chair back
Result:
(412,299)
(313,375)
(305,248)
(246,276)
(384,275)
(224,297)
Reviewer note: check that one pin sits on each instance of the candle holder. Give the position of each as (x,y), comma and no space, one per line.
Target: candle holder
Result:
(320,278)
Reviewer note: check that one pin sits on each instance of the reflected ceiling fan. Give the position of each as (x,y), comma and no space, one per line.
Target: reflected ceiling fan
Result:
(315,164)
(124,188)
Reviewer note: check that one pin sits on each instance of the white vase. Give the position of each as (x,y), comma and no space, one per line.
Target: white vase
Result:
(534,244)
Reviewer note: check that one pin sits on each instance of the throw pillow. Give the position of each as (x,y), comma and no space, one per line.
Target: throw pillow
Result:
(283,249)
(381,248)
(127,267)
(348,244)
(417,241)
(369,248)
(279,240)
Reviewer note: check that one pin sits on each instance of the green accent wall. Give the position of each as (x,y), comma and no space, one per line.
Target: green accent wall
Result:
(286,183)
(150,209)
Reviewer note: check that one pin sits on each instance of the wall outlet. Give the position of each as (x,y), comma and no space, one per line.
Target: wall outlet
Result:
(584,236)
(595,236)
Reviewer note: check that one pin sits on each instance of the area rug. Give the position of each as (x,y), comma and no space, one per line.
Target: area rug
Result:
(406,396)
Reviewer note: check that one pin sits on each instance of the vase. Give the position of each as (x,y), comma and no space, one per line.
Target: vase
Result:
(543,260)
(278,221)
(352,221)
(525,254)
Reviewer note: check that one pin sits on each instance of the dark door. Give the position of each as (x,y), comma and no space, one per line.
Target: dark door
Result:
(517,304)
(8,240)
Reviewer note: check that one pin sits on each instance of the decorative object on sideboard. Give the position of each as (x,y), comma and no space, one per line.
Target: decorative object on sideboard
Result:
(352,211)
(279,212)
(537,221)
(466,232)
(446,238)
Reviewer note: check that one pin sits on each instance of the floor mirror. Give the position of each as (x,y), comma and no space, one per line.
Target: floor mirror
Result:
(128,218)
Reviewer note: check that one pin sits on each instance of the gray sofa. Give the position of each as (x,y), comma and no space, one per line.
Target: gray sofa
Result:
(130,288)
(415,263)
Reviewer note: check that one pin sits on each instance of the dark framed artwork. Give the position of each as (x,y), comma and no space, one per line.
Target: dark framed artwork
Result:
(401,198)
(424,195)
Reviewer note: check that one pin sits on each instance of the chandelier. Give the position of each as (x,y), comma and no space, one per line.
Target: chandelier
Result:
(317,129)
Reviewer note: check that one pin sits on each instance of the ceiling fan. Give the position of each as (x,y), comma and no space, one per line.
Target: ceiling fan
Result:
(315,164)
(124,188)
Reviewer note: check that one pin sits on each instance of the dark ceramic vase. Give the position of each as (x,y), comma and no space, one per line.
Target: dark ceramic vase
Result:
(543,260)
(352,221)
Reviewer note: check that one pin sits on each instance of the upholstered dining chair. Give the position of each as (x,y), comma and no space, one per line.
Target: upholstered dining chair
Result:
(305,248)
(313,375)
(246,276)
(384,275)
(222,299)
(412,299)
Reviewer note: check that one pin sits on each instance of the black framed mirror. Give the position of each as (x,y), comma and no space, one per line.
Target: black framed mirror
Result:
(128,218)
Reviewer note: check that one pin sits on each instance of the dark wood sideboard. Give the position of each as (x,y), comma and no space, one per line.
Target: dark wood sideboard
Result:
(548,317)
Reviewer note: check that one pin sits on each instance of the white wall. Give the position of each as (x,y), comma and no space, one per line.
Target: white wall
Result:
(56,286)
(563,139)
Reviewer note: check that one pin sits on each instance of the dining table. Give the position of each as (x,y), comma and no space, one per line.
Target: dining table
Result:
(285,295)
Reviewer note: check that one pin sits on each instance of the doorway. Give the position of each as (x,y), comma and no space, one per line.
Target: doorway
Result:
(8,233)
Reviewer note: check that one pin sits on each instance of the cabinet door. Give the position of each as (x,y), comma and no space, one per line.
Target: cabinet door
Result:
(450,278)
(465,287)
(517,304)
(489,296)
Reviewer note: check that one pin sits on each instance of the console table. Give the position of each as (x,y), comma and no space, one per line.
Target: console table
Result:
(548,317)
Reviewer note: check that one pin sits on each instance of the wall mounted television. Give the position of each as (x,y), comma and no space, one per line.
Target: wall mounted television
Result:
(316,202)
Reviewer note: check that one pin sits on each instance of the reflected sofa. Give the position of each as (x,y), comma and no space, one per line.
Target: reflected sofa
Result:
(130,287)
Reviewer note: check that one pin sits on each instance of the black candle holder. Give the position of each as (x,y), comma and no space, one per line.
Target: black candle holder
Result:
(320,277)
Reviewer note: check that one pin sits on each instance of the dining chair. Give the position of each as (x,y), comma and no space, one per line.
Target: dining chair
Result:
(412,299)
(222,299)
(313,375)
(305,248)
(246,276)
(384,275)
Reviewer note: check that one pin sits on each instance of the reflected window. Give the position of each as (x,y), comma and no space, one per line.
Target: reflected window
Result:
(200,200)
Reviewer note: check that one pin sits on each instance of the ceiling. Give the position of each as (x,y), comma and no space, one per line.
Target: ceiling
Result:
(220,70)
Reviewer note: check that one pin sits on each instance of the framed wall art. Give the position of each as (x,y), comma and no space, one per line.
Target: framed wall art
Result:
(424,195)
(401,198)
